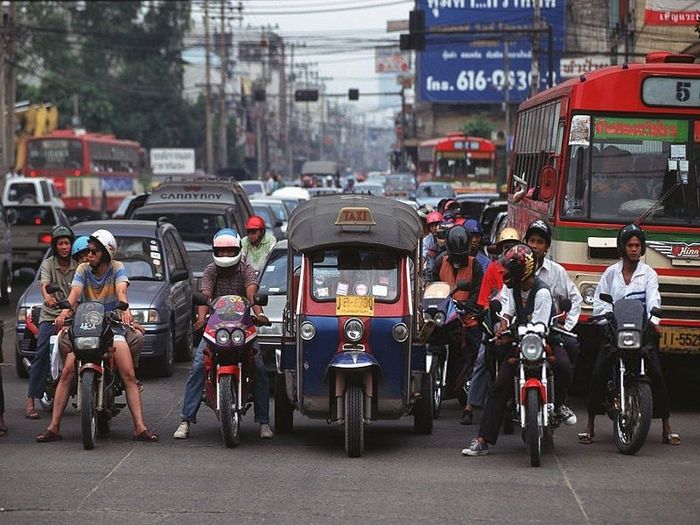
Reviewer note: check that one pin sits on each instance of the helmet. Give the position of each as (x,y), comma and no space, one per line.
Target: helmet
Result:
(449,216)
(442,230)
(227,238)
(59,232)
(508,234)
(79,246)
(473,227)
(458,243)
(106,242)
(541,228)
(255,222)
(626,233)
(434,217)
(424,210)
(450,204)
(519,265)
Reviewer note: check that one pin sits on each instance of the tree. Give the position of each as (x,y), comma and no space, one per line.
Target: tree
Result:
(479,126)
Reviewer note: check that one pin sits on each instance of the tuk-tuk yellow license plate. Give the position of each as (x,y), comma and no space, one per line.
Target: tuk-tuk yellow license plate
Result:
(354,305)
(680,339)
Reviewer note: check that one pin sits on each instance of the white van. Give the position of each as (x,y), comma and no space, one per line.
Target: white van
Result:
(30,190)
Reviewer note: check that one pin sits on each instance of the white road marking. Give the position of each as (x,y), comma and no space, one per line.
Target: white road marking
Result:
(571,489)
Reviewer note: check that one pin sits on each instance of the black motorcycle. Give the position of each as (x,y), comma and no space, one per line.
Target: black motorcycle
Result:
(628,401)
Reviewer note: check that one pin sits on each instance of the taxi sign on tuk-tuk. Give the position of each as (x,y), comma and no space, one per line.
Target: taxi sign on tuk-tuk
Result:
(354,305)
(355,216)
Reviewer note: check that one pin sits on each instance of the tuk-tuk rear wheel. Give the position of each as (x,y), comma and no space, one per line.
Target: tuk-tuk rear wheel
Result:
(284,410)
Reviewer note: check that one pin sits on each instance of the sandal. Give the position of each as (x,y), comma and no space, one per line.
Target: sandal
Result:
(31,414)
(47,436)
(147,436)
(585,438)
(670,438)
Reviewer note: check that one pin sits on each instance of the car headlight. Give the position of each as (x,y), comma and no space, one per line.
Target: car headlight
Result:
(440,318)
(22,314)
(588,293)
(531,347)
(629,339)
(145,315)
(307,330)
(238,336)
(400,332)
(222,336)
(86,343)
(354,330)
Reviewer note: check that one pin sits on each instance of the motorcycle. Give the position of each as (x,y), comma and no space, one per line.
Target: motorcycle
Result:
(91,333)
(534,380)
(628,401)
(229,359)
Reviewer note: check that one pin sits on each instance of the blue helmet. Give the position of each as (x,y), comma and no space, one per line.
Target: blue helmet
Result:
(79,246)
(473,227)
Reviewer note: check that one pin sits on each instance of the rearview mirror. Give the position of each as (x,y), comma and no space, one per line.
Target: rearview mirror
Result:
(199,299)
(121,305)
(606,297)
(179,275)
(260,299)
(565,305)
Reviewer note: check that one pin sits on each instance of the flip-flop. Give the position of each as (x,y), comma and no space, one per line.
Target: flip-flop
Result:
(147,436)
(585,438)
(47,436)
(31,414)
(670,438)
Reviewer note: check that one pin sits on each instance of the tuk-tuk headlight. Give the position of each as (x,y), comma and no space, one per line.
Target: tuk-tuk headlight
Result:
(629,339)
(440,318)
(400,332)
(532,347)
(87,343)
(238,336)
(307,330)
(354,330)
(222,336)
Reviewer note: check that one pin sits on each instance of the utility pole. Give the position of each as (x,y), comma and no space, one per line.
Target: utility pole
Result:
(506,88)
(536,22)
(209,142)
(4,19)
(290,120)
(11,90)
(223,114)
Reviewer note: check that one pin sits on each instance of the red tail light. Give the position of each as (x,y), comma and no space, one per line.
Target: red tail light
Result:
(32,173)
(76,173)
(45,238)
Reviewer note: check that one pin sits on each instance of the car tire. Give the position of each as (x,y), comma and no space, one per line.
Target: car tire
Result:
(5,285)
(166,362)
(185,348)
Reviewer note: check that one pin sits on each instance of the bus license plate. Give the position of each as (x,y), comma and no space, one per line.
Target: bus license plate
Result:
(680,339)
(354,305)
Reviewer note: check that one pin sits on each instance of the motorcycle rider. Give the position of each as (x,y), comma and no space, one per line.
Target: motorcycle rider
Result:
(227,275)
(257,245)
(527,298)
(104,280)
(59,268)
(476,234)
(631,278)
(81,249)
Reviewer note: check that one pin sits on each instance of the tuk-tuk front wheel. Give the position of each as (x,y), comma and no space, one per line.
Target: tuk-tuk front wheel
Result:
(354,422)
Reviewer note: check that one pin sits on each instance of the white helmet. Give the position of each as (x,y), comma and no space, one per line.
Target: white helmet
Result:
(106,241)
(227,238)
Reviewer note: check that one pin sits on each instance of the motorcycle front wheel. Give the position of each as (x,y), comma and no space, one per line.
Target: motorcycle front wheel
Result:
(534,434)
(631,427)
(229,415)
(88,408)
(438,385)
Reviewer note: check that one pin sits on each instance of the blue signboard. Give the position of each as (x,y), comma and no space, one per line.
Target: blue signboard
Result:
(117,184)
(469,67)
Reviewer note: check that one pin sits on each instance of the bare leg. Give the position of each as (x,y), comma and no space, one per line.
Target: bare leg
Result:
(60,400)
(125,365)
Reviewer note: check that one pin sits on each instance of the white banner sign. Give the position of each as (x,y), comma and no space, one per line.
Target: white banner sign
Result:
(172,161)
(573,67)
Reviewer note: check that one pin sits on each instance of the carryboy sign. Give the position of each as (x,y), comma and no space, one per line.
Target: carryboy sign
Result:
(168,193)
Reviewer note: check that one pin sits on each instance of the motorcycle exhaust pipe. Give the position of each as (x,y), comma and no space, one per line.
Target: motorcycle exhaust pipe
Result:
(218,390)
(100,387)
(239,402)
(622,386)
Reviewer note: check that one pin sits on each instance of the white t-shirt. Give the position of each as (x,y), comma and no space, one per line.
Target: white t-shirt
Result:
(543,304)
(644,286)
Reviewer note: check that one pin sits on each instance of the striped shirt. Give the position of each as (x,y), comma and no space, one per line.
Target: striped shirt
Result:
(101,289)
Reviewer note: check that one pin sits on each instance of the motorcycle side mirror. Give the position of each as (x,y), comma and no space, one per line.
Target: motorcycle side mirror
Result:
(260,299)
(199,299)
(565,305)
(52,288)
(121,305)
(495,306)
(63,304)
(607,298)
(656,312)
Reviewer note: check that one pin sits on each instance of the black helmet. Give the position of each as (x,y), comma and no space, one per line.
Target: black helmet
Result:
(626,233)
(519,265)
(458,243)
(58,233)
(539,227)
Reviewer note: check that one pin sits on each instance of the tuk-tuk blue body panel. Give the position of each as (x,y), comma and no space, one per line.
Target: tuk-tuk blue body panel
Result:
(393,358)
(314,356)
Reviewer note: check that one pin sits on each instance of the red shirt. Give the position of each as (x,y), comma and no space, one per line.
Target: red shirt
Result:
(491,284)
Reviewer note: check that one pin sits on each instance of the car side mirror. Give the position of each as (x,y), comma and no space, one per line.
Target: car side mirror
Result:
(199,299)
(607,298)
(260,299)
(495,306)
(179,275)
(565,305)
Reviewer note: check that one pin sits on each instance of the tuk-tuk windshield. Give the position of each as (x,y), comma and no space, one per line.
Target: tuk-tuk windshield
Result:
(355,272)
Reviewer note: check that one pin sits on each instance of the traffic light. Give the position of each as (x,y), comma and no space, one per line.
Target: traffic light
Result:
(415,39)
(353,94)
(306,95)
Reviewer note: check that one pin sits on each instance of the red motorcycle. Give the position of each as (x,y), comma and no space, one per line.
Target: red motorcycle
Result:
(229,360)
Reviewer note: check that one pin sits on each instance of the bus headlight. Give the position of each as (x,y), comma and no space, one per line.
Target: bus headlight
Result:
(631,339)
(588,293)
(531,347)
(354,330)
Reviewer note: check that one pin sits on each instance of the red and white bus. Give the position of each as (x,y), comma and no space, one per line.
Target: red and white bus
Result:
(90,170)
(469,163)
(616,146)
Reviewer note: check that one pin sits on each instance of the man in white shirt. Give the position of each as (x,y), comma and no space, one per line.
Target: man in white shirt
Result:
(630,278)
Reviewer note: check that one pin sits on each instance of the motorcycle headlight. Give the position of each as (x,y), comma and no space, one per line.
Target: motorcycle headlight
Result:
(400,332)
(531,347)
(307,330)
(427,315)
(222,336)
(354,330)
(145,315)
(440,318)
(238,336)
(631,339)
(86,343)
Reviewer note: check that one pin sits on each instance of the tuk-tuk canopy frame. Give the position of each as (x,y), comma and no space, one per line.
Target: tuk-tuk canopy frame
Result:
(313,225)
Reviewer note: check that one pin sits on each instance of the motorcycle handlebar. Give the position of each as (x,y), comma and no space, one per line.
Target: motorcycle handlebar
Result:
(565,332)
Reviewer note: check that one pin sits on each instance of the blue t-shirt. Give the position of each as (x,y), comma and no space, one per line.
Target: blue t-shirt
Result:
(102,289)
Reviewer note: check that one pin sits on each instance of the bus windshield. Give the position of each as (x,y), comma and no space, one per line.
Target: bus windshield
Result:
(626,169)
(55,154)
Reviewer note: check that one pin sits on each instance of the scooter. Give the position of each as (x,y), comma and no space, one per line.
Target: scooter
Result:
(229,359)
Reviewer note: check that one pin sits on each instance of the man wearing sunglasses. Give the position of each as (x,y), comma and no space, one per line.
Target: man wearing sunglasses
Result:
(227,275)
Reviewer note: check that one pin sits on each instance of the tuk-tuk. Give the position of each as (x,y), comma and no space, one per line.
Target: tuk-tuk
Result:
(349,354)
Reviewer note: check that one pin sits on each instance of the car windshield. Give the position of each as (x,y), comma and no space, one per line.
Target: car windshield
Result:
(436,190)
(252,187)
(199,254)
(33,216)
(627,169)
(273,280)
(355,272)
(22,192)
(142,258)
(278,210)
(199,227)
(291,205)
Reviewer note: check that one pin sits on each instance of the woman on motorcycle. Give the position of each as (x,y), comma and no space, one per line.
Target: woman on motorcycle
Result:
(632,278)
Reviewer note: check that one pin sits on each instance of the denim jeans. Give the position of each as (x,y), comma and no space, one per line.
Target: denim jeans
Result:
(41,362)
(481,380)
(195,387)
